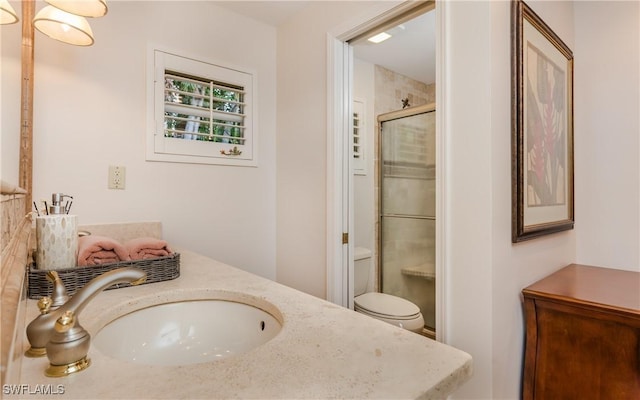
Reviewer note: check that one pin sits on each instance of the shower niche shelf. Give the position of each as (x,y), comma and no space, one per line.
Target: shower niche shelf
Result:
(424,271)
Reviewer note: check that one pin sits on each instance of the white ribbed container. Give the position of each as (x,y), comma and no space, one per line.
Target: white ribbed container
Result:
(56,241)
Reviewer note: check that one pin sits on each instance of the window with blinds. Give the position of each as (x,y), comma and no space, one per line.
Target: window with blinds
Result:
(202,112)
(358,138)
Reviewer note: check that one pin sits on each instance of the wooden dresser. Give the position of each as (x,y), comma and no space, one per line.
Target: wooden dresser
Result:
(583,335)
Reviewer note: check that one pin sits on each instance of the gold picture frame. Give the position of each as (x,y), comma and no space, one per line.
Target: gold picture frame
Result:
(542,127)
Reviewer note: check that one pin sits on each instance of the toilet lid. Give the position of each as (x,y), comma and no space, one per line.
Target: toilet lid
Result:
(386,304)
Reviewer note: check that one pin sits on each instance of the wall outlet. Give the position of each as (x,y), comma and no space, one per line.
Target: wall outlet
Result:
(117,175)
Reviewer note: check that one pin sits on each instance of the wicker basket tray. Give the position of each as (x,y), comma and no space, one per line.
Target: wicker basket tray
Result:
(157,269)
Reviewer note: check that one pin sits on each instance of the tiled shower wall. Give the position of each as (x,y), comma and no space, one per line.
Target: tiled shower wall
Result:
(391,88)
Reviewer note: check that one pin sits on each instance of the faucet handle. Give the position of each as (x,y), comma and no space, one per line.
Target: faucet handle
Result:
(39,350)
(44,305)
(65,322)
(59,294)
(52,276)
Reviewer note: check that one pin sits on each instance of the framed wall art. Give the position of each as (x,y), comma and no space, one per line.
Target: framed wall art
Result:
(542,127)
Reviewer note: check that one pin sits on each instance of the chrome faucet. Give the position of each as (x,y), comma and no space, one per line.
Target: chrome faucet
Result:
(58,334)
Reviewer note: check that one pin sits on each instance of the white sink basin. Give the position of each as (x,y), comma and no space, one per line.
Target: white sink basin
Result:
(187,332)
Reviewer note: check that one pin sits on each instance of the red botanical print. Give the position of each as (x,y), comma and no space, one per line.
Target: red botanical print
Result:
(545,132)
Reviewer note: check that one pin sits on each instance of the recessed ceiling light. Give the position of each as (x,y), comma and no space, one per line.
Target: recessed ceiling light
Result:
(380,37)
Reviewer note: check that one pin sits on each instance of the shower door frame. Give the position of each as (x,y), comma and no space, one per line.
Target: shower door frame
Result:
(382,118)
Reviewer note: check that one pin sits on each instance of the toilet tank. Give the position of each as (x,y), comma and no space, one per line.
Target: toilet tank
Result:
(361,270)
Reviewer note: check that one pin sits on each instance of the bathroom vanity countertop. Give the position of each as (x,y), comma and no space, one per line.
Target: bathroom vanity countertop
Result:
(323,350)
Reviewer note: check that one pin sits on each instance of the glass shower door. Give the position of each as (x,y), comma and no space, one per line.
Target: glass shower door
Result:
(407,208)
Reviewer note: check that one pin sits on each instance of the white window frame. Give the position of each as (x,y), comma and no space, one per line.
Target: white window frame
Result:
(359,156)
(168,149)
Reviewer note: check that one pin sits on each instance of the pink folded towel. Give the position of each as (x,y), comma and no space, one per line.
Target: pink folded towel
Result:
(97,250)
(147,247)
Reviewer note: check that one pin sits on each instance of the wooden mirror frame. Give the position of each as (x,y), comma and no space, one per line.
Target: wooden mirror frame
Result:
(25,171)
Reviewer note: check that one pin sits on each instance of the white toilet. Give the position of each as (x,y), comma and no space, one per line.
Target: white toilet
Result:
(385,307)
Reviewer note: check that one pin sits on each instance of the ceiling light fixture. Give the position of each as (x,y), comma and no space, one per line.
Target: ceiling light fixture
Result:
(380,37)
(63,26)
(7,13)
(85,8)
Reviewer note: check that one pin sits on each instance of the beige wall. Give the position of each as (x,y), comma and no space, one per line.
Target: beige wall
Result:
(607,104)
(302,142)
(512,267)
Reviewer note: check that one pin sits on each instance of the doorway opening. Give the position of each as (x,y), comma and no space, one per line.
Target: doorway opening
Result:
(370,80)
